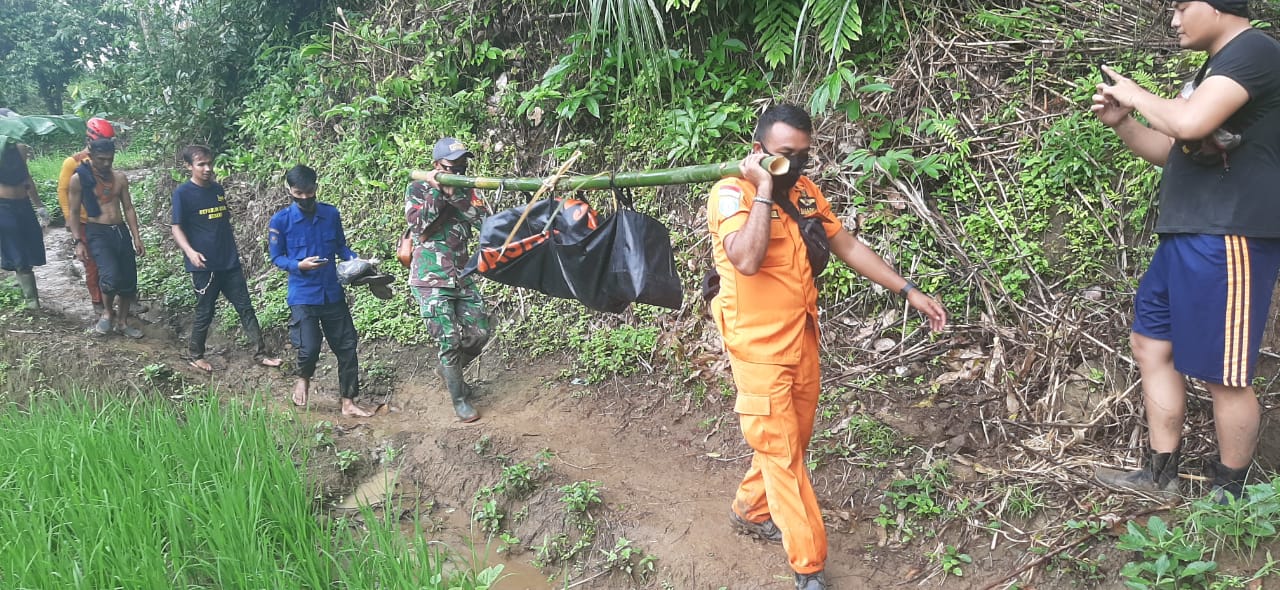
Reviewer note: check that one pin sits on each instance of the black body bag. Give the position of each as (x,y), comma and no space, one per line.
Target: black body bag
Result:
(565,250)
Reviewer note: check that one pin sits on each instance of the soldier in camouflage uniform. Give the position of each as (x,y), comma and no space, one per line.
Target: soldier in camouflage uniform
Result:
(442,220)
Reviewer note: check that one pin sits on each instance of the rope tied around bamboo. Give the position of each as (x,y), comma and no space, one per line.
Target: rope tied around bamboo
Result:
(776,165)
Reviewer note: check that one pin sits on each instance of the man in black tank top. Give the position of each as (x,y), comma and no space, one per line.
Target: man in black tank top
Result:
(1202,304)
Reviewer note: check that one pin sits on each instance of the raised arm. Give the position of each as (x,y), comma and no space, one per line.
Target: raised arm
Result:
(746,247)
(1189,119)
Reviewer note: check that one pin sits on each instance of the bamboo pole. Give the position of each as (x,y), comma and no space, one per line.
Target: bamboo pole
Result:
(776,165)
(546,185)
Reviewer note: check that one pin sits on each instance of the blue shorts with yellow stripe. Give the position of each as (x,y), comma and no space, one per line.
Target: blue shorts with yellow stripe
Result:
(1209,296)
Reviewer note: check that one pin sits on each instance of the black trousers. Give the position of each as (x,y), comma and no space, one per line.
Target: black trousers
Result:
(230,284)
(112,249)
(332,321)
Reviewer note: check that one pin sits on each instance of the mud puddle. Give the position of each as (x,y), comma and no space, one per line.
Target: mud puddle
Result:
(452,527)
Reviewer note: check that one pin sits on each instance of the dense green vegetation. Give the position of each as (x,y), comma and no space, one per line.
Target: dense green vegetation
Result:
(361,91)
(956,137)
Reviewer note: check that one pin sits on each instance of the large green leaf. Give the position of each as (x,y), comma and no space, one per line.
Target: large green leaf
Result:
(16,127)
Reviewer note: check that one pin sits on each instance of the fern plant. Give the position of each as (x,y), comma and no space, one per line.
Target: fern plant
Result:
(780,26)
(839,24)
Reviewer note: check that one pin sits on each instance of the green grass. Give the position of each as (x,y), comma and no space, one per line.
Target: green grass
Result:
(145,494)
(46,168)
(10,295)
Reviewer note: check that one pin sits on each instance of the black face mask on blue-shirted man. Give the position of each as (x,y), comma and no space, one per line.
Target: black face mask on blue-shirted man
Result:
(305,199)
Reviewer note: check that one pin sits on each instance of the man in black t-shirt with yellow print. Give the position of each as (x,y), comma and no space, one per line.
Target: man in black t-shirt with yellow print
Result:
(1202,305)
(202,229)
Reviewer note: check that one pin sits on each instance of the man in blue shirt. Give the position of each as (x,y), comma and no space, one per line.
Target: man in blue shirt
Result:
(306,239)
(202,229)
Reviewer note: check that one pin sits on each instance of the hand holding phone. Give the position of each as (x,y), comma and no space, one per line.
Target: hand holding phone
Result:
(312,263)
(1106,78)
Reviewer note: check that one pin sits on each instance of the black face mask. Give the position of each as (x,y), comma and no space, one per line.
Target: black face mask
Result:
(307,206)
(782,184)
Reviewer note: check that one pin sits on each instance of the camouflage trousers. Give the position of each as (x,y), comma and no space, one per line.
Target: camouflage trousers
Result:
(456,319)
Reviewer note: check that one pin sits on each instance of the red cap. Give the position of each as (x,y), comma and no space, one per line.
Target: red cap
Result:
(99,128)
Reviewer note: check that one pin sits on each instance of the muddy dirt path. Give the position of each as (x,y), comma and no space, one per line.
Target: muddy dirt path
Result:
(61,279)
(662,490)
(666,481)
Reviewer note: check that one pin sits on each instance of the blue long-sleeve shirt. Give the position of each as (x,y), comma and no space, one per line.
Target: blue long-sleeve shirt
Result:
(293,236)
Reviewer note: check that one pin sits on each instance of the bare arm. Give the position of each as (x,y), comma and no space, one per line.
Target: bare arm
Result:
(32,195)
(867,263)
(746,247)
(1189,119)
(1145,142)
(73,216)
(1217,98)
(197,259)
(130,215)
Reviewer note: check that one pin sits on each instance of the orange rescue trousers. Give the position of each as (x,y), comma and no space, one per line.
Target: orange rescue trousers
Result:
(776,406)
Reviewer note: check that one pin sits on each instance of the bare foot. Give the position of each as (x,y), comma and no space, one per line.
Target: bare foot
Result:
(201,365)
(300,394)
(349,408)
(270,362)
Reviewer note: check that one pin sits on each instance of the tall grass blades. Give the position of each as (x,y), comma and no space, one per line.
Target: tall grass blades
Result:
(137,494)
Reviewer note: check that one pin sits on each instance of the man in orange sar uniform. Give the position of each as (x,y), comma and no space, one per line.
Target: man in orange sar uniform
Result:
(767,314)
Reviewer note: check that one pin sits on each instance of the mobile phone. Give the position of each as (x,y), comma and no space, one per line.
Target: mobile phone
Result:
(322,261)
(1106,78)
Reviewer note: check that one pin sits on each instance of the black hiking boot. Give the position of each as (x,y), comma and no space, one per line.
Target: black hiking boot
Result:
(1228,484)
(765,531)
(1158,476)
(815,581)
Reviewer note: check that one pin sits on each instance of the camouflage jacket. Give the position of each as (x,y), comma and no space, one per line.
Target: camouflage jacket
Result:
(439,258)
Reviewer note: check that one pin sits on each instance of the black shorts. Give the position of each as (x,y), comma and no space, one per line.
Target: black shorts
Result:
(21,240)
(112,249)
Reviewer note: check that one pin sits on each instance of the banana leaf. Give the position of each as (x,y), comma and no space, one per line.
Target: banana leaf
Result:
(15,128)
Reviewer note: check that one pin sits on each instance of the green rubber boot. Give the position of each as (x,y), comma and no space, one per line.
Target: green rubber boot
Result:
(458,393)
(27,281)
